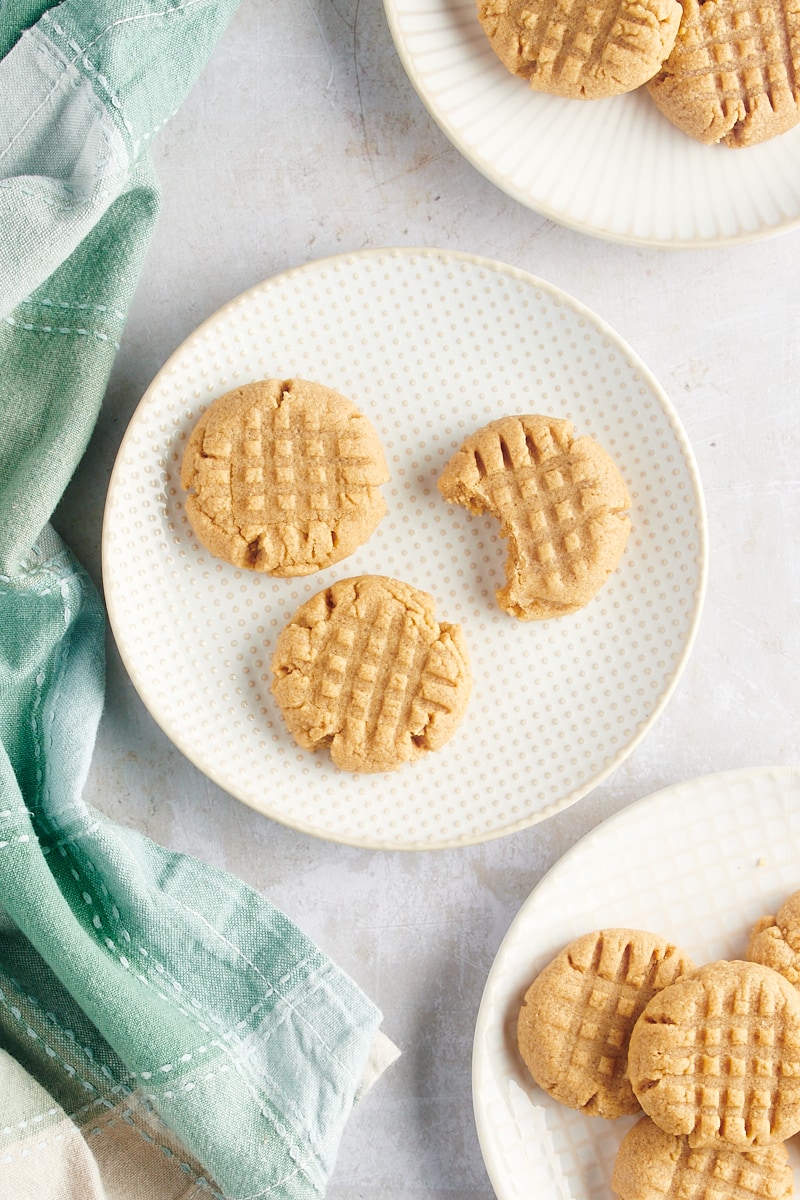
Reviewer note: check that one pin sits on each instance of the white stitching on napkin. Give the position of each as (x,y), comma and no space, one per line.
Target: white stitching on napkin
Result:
(293,1150)
(13,185)
(9,1156)
(71,1037)
(73,837)
(271,985)
(21,837)
(121,1089)
(83,51)
(112,913)
(200,1180)
(49,1051)
(63,73)
(83,307)
(62,329)
(50,1112)
(91,67)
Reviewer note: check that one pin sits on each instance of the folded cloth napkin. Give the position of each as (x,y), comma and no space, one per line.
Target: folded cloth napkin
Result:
(165,1032)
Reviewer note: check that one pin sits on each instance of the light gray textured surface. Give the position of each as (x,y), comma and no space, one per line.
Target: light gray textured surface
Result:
(302,139)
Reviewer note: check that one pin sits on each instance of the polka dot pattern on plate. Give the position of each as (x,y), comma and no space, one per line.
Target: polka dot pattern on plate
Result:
(429,345)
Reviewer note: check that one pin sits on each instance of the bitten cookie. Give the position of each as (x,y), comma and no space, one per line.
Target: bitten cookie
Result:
(716,1056)
(653,1165)
(577,1016)
(284,477)
(560,501)
(584,51)
(775,941)
(732,75)
(365,669)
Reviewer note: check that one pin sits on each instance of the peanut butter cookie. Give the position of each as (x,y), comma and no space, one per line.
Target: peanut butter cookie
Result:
(775,941)
(716,1056)
(284,477)
(585,50)
(732,75)
(653,1165)
(577,1016)
(561,503)
(365,669)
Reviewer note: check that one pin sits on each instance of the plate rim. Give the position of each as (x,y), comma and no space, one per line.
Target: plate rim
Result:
(701,555)
(763,233)
(723,778)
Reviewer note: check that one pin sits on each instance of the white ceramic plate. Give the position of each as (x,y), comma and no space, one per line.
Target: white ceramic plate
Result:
(697,863)
(430,346)
(614,168)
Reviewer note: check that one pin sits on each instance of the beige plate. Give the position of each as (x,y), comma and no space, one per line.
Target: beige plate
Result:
(429,345)
(697,863)
(613,168)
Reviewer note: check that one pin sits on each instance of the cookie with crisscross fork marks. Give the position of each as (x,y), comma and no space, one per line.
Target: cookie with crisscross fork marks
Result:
(577,1016)
(775,940)
(561,503)
(584,49)
(732,75)
(653,1165)
(284,477)
(716,1057)
(365,669)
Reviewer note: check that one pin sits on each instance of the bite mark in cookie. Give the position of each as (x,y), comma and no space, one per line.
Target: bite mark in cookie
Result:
(561,503)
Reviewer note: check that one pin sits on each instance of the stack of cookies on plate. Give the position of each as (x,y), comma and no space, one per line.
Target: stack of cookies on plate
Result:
(720,70)
(622,1022)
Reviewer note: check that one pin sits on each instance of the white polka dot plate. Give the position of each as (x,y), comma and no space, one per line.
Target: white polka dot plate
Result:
(613,168)
(430,346)
(697,863)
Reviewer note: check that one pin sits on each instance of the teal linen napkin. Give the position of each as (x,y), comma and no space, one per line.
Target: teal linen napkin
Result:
(164,1031)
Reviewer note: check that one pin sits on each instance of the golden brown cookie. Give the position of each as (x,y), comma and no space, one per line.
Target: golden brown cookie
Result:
(585,50)
(577,1016)
(284,477)
(775,941)
(732,76)
(560,501)
(653,1165)
(716,1056)
(365,669)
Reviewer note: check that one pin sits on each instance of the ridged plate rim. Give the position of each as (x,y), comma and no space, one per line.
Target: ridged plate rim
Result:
(398,10)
